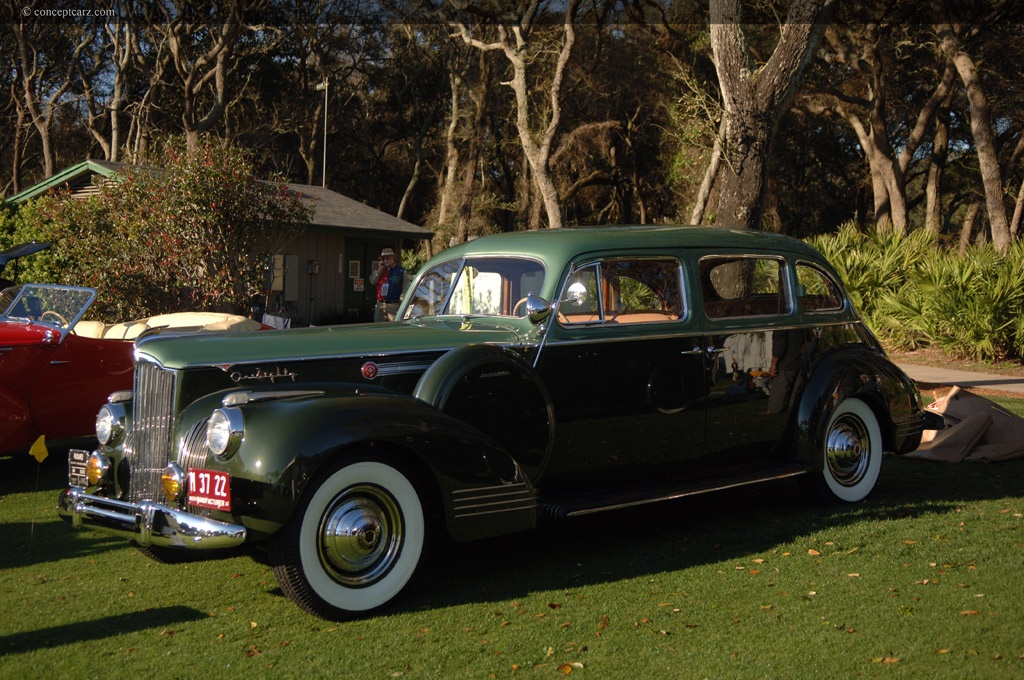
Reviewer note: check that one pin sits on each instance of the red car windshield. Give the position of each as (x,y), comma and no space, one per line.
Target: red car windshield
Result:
(53,305)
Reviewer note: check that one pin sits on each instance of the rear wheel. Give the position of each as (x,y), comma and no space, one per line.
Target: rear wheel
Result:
(853,455)
(354,542)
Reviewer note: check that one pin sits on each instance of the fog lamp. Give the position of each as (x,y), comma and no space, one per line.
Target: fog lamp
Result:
(97,469)
(172,483)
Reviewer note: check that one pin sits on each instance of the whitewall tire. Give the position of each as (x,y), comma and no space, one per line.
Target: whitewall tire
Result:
(354,543)
(852,455)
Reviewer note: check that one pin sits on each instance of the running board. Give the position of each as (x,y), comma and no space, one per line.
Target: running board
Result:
(586,504)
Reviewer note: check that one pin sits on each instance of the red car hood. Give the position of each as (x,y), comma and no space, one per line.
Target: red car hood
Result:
(19,334)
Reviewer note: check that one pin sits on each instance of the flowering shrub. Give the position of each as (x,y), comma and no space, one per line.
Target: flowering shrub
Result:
(193,233)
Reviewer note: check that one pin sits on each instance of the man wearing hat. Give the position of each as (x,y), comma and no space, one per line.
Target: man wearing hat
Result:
(389,277)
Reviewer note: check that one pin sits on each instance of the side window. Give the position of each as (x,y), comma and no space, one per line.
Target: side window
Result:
(743,286)
(816,290)
(624,291)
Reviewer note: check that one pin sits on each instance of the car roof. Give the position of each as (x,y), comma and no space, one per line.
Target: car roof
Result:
(558,245)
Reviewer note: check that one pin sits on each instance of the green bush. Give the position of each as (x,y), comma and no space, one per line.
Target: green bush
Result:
(915,292)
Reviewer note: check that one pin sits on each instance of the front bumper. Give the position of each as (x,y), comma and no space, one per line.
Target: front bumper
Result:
(147,523)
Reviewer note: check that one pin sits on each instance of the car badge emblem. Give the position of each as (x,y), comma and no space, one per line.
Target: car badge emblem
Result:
(370,370)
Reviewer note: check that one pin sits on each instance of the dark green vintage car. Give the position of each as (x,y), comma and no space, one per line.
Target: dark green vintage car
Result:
(672,361)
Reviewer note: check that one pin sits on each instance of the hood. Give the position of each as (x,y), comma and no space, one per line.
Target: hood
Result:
(359,340)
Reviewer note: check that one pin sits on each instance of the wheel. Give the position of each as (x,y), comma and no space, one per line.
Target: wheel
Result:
(354,541)
(853,455)
(515,308)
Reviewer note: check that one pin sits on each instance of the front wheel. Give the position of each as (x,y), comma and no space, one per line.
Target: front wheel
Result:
(853,455)
(354,542)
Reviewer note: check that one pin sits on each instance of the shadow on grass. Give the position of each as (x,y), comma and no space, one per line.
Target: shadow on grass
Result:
(645,542)
(638,543)
(33,543)
(96,629)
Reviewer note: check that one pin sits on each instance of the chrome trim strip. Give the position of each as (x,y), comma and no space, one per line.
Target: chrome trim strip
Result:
(249,397)
(693,333)
(683,494)
(491,500)
(367,356)
(519,508)
(497,488)
(399,367)
(147,523)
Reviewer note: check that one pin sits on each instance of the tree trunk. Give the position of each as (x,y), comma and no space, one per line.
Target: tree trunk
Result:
(448,188)
(536,140)
(936,167)
(704,193)
(984,139)
(967,228)
(1018,209)
(755,99)
(205,72)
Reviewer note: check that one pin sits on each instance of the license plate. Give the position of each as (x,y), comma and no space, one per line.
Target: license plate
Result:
(209,489)
(77,473)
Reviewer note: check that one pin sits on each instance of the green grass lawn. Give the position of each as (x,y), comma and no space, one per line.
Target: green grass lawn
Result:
(923,580)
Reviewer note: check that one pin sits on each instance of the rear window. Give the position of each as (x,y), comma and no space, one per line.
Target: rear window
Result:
(816,291)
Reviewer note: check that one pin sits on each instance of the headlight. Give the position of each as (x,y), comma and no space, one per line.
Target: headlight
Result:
(110,424)
(224,432)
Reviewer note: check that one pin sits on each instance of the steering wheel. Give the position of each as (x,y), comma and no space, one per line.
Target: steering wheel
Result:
(55,315)
(515,308)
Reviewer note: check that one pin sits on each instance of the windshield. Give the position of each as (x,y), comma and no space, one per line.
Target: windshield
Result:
(57,306)
(488,286)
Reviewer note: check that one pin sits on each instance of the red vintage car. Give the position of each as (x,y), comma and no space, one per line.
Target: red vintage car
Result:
(56,370)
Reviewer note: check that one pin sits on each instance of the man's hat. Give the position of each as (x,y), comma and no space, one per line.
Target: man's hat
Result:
(386,252)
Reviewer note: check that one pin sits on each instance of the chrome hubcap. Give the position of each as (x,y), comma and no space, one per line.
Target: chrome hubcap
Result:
(360,535)
(848,450)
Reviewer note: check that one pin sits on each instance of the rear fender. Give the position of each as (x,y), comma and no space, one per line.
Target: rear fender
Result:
(865,375)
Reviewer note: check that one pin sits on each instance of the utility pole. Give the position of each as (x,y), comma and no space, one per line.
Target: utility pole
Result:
(319,87)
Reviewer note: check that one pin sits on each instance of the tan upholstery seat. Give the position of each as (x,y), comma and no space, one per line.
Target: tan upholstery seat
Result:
(90,329)
(129,330)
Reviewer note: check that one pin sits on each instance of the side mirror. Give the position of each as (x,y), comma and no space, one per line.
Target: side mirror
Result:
(537,309)
(577,294)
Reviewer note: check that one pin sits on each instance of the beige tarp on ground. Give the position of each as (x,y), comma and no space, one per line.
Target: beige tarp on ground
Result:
(977,430)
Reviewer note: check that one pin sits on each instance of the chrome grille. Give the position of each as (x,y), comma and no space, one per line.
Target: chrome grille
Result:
(193,446)
(149,444)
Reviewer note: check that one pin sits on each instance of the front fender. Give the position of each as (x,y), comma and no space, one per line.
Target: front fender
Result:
(866,375)
(496,391)
(287,440)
